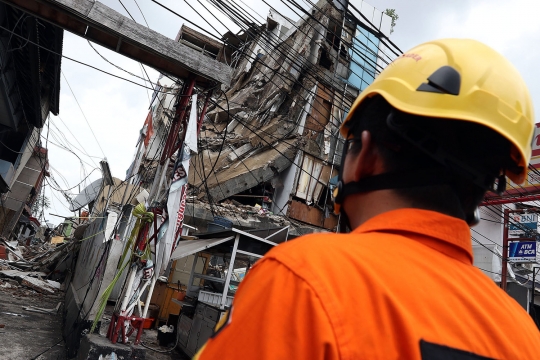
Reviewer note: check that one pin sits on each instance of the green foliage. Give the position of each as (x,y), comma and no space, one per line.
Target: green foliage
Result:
(392,13)
(128,258)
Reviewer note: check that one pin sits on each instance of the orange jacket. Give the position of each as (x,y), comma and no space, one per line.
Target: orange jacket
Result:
(401,286)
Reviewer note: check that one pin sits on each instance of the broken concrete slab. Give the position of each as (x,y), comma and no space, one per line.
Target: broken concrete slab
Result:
(37,285)
(21,274)
(42,310)
(236,153)
(54,284)
(252,171)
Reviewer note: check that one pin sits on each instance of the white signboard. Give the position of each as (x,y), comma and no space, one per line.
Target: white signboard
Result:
(520,223)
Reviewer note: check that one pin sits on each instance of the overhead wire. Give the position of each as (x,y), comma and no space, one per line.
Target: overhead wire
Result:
(248,32)
(83,114)
(77,140)
(201,16)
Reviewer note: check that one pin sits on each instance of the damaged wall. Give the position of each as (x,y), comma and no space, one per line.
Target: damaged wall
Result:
(93,268)
(274,133)
(269,100)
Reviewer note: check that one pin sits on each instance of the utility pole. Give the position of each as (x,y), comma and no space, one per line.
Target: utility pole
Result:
(531,306)
(504,269)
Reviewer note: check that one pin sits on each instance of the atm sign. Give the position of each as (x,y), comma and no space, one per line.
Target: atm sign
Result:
(522,251)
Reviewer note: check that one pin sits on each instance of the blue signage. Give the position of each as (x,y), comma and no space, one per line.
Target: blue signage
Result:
(522,251)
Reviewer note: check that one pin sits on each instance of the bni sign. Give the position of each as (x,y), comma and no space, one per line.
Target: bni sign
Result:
(522,251)
(519,223)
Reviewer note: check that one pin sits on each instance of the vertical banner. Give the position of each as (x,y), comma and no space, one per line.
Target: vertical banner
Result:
(190,139)
(176,202)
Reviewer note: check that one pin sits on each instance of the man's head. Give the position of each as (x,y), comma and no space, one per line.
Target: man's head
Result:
(436,128)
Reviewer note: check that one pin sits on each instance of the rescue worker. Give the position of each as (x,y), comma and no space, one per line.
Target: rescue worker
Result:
(438,128)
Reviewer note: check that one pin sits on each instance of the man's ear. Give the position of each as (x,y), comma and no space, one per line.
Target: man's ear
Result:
(366,163)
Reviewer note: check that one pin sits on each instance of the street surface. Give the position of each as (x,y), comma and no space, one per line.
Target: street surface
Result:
(26,335)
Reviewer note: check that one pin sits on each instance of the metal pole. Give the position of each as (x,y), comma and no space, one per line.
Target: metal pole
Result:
(127,292)
(504,270)
(203,112)
(192,273)
(510,199)
(229,272)
(149,296)
(531,306)
(179,118)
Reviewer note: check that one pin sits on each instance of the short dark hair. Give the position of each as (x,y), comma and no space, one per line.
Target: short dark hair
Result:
(476,145)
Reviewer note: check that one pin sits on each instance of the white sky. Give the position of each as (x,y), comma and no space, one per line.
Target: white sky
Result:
(116,109)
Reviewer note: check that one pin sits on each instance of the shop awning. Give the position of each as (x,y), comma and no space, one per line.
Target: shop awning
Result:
(190,247)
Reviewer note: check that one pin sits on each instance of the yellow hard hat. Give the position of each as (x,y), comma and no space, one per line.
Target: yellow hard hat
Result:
(464,80)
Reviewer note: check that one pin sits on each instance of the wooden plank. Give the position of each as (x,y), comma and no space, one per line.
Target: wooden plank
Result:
(318,118)
(311,215)
(324,93)
(314,180)
(303,179)
(12,273)
(119,33)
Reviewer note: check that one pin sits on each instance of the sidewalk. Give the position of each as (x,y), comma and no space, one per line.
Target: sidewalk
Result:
(26,335)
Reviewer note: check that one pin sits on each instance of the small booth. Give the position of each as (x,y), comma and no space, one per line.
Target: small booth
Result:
(205,274)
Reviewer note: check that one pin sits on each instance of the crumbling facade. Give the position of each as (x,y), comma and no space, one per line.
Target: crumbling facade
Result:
(269,145)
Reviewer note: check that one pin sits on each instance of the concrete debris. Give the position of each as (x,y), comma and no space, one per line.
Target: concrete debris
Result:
(52,311)
(26,273)
(246,212)
(12,314)
(54,284)
(37,285)
(42,257)
(21,274)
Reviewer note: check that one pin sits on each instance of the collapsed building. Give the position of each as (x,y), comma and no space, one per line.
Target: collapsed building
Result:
(227,165)
(269,146)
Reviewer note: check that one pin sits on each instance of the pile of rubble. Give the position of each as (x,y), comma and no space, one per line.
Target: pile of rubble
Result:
(235,210)
(30,269)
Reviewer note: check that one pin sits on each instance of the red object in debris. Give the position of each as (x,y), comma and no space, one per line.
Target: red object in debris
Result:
(117,328)
(3,253)
(147,324)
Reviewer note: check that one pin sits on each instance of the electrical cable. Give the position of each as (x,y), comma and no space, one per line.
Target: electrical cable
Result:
(121,3)
(7,147)
(75,137)
(144,18)
(82,112)
(248,32)
(77,61)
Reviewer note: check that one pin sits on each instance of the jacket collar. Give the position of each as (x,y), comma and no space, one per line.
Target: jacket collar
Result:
(444,233)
